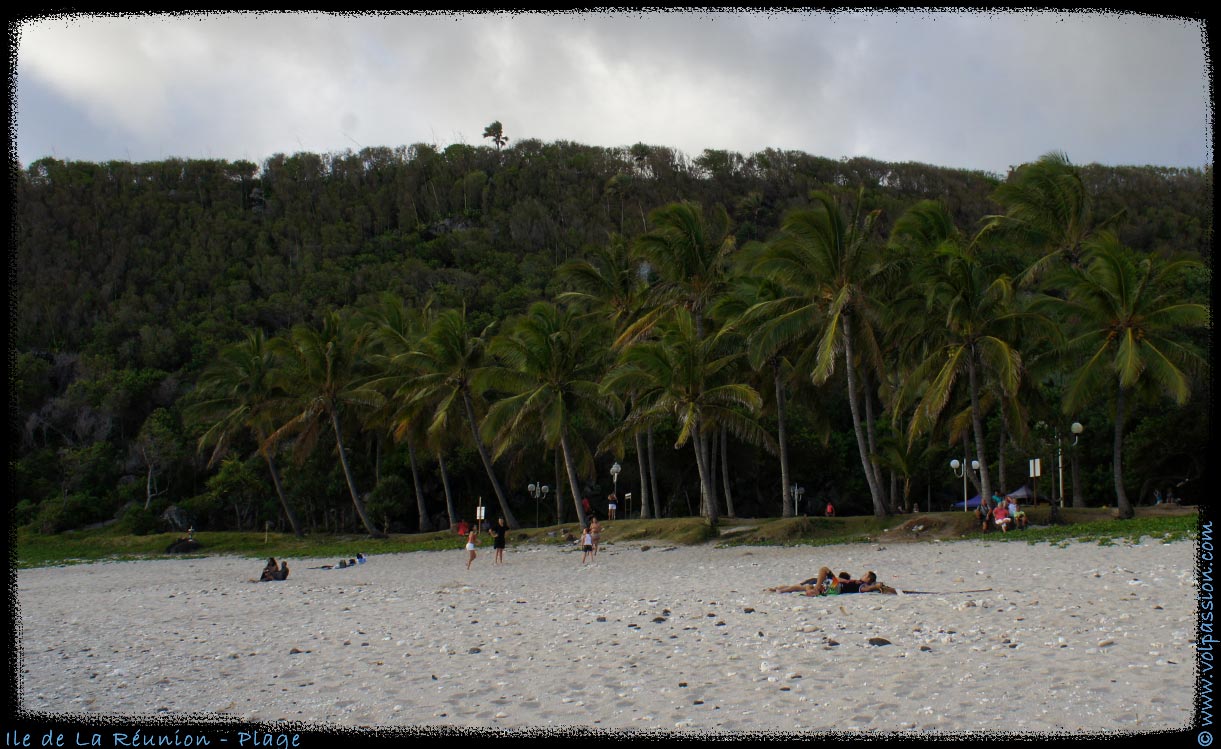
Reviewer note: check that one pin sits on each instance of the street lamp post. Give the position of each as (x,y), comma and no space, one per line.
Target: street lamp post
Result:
(538,491)
(960,469)
(797,492)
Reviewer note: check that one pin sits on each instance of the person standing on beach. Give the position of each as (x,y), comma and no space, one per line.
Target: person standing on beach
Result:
(612,504)
(587,543)
(499,531)
(472,539)
(595,533)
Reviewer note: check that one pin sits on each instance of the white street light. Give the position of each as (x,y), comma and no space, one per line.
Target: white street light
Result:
(615,469)
(960,470)
(797,492)
(538,491)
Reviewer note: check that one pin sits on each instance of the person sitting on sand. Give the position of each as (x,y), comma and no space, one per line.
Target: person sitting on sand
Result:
(282,573)
(270,571)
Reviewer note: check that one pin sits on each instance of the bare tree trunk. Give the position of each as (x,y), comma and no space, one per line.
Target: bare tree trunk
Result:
(1121,495)
(709,508)
(449,497)
(421,505)
(510,520)
(725,472)
(347,473)
(786,492)
(978,426)
(875,492)
(657,509)
(275,480)
(644,479)
(572,480)
(559,489)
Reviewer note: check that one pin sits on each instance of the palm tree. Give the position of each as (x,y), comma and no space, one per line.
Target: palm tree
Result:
(237,395)
(681,375)
(1047,207)
(323,380)
(395,330)
(611,282)
(552,364)
(825,263)
(496,132)
(1127,317)
(449,358)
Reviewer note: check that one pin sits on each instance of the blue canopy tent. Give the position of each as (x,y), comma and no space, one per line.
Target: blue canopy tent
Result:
(972,503)
(1022,494)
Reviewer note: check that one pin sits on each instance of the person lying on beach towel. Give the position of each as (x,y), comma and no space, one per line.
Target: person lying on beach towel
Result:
(828,584)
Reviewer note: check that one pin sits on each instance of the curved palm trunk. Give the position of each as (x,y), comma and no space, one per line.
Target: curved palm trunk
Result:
(572,479)
(701,464)
(644,480)
(510,520)
(1121,496)
(786,493)
(347,473)
(879,507)
(871,436)
(288,512)
(729,513)
(985,489)
(653,476)
(421,505)
(559,488)
(449,497)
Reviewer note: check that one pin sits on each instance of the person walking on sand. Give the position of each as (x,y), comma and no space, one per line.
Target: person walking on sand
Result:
(472,539)
(498,532)
(587,544)
(595,533)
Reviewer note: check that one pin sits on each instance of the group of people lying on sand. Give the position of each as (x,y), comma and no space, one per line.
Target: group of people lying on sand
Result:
(827,583)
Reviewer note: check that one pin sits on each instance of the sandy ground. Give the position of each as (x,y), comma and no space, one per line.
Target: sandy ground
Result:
(1083,638)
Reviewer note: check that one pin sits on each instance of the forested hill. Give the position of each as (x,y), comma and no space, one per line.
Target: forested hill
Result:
(129,277)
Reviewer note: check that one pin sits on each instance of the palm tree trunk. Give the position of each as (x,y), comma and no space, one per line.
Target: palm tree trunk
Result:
(347,474)
(1078,500)
(510,520)
(653,476)
(644,479)
(1000,450)
(1121,496)
(288,511)
(870,432)
(559,489)
(708,509)
(421,505)
(879,507)
(729,513)
(786,494)
(985,490)
(572,479)
(449,496)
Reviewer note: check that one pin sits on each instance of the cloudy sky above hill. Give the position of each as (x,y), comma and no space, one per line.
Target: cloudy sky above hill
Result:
(958,89)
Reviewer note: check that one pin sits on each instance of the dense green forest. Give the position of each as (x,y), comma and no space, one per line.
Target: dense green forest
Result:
(379,340)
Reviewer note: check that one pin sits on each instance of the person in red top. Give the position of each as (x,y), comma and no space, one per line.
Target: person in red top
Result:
(830,510)
(1000,516)
(463,527)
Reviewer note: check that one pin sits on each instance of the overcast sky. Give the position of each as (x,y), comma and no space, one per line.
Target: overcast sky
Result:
(959,89)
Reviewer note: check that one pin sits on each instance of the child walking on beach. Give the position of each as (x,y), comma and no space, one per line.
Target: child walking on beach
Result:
(472,539)
(587,541)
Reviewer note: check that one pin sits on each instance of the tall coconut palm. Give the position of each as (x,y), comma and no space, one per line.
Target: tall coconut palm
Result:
(395,330)
(826,264)
(1128,318)
(324,379)
(681,375)
(236,394)
(449,358)
(1047,207)
(552,362)
(611,283)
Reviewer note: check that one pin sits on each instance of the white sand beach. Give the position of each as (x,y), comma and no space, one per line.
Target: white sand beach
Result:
(650,637)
